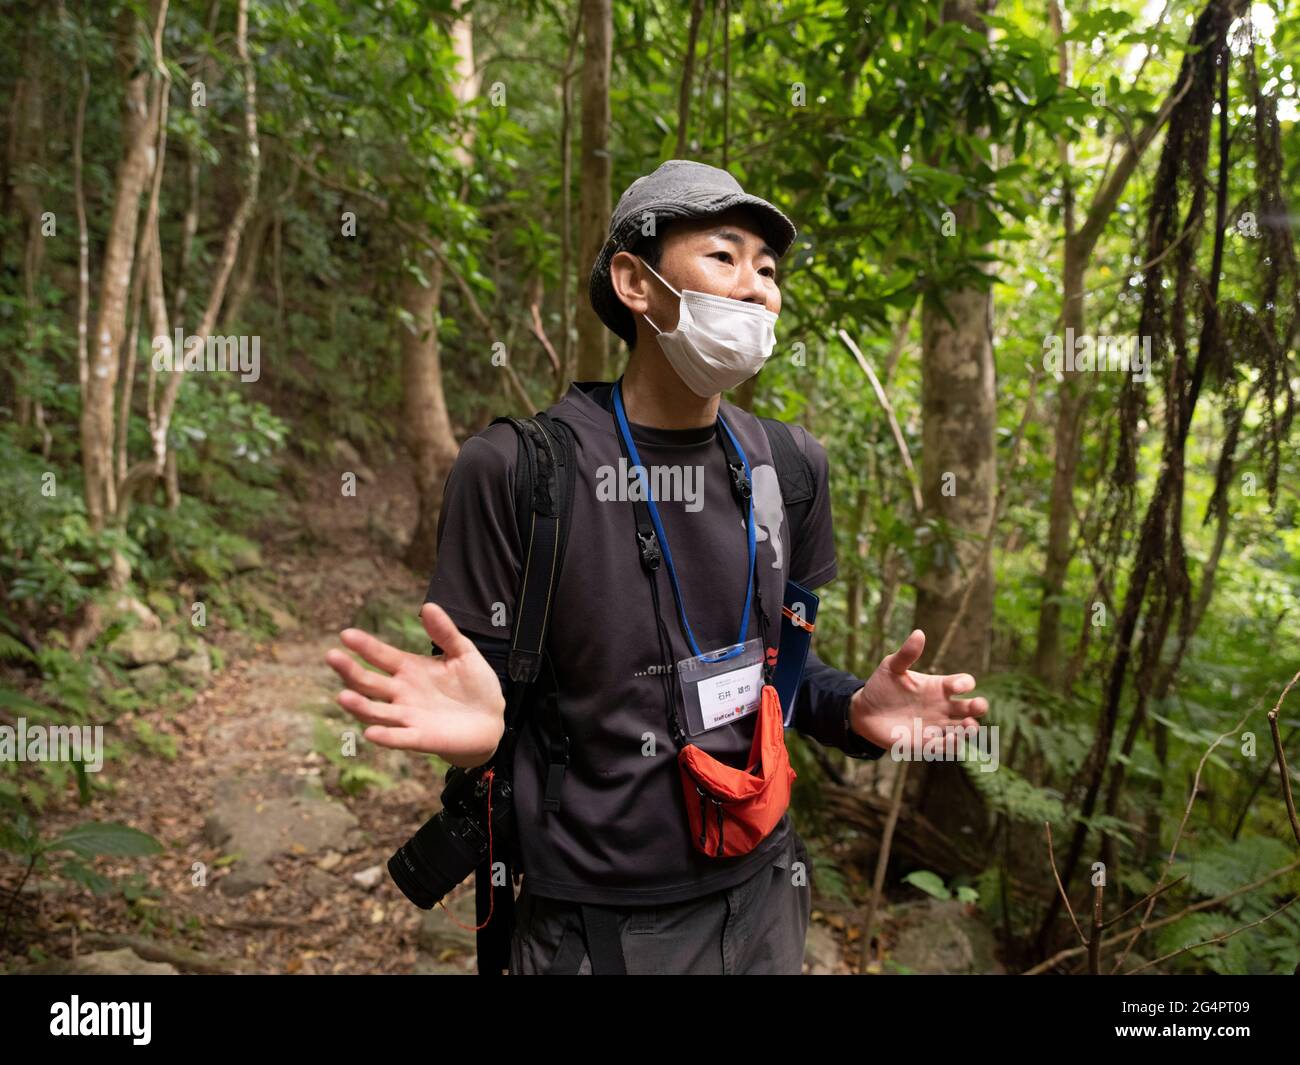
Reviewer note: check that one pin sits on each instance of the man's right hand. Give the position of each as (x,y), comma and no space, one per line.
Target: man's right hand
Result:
(449,705)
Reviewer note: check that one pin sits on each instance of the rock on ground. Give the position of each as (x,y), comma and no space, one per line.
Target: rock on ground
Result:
(148,680)
(142,647)
(261,829)
(196,669)
(942,937)
(821,952)
(124,962)
(444,945)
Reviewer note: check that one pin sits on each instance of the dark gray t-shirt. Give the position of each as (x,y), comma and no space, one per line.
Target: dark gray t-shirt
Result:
(621,835)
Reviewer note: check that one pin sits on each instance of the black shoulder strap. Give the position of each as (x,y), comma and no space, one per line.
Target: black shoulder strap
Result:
(545,474)
(795,473)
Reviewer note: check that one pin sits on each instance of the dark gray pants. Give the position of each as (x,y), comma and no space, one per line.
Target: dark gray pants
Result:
(758,926)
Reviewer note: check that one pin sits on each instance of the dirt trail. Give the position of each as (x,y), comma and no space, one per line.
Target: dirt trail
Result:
(262,847)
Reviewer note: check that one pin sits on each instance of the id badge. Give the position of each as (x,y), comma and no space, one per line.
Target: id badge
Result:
(721,687)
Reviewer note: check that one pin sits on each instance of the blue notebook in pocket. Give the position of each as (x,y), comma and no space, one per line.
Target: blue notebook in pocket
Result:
(798,615)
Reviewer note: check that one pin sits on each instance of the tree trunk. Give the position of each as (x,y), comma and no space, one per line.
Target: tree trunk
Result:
(27,158)
(743,396)
(139,120)
(426,426)
(148,471)
(594,195)
(856,582)
(959,419)
(959,486)
(250,262)
(1071,402)
(688,75)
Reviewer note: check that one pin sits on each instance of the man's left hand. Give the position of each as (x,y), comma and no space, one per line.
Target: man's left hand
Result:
(894,697)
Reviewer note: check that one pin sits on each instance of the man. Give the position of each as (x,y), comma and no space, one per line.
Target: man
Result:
(688,279)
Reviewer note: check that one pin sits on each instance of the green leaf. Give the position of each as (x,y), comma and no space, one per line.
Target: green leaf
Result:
(930,883)
(12,700)
(12,650)
(98,837)
(82,874)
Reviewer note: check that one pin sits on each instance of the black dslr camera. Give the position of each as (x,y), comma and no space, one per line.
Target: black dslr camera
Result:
(454,841)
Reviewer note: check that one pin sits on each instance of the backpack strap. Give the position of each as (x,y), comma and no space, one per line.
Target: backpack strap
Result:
(795,474)
(604,942)
(545,475)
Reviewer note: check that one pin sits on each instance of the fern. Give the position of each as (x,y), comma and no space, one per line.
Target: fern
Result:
(1009,793)
(1225,866)
(355,779)
(12,650)
(1224,958)
(830,881)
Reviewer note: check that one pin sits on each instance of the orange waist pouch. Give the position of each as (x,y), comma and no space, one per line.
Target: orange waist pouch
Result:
(732,810)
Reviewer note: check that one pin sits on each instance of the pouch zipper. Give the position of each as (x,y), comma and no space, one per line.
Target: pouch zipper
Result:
(704,819)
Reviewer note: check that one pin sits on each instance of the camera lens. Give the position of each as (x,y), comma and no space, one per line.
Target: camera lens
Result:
(455,841)
(438,857)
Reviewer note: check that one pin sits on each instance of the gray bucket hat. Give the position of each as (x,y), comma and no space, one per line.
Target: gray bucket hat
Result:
(679,188)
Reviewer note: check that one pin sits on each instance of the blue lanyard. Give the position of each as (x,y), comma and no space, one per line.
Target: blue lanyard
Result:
(621,419)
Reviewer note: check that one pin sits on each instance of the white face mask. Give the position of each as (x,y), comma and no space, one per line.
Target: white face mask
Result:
(719,342)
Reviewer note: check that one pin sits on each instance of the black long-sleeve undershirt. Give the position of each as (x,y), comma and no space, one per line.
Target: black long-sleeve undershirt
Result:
(821,709)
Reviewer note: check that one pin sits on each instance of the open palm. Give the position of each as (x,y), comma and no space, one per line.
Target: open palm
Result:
(450,705)
(894,697)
